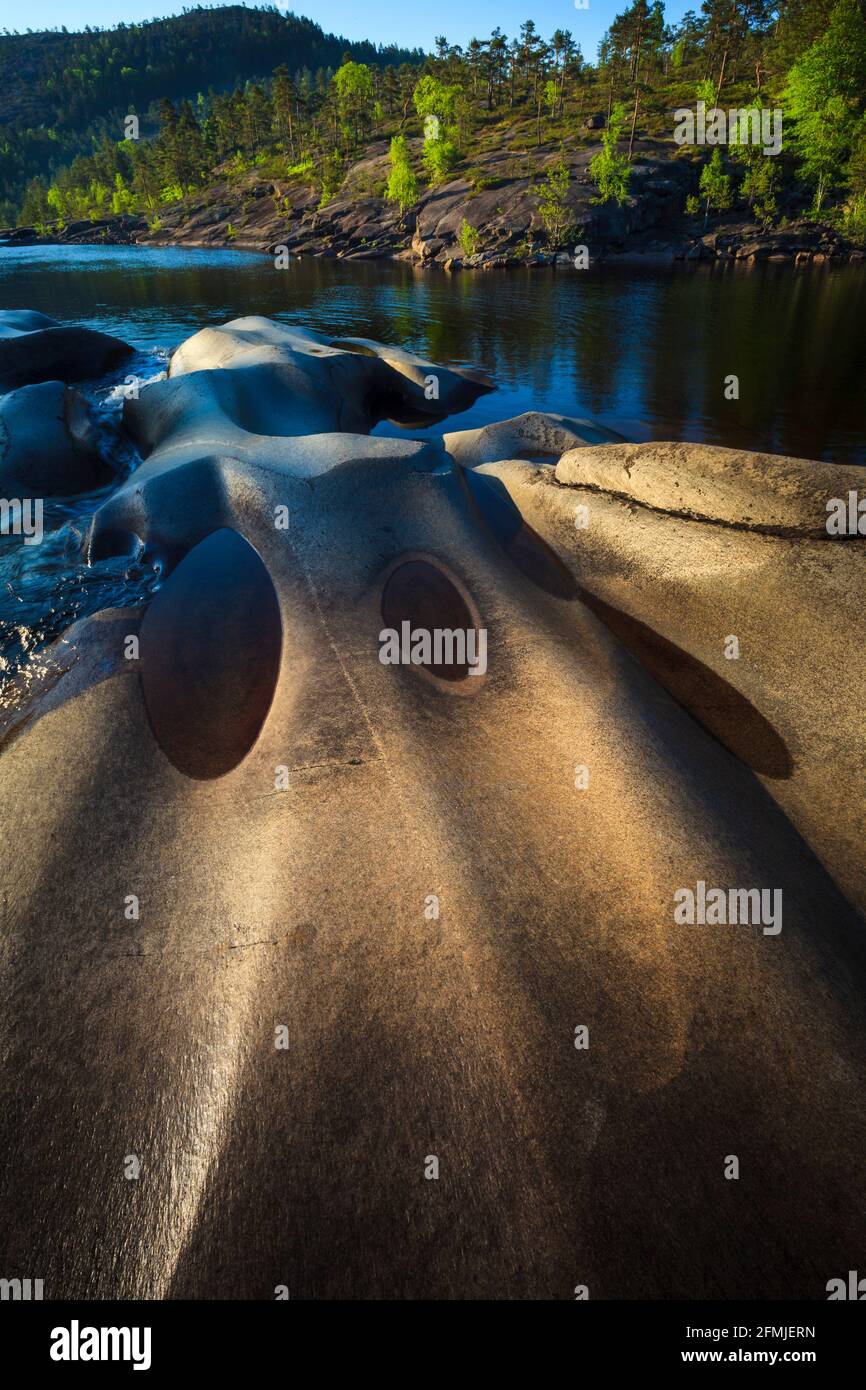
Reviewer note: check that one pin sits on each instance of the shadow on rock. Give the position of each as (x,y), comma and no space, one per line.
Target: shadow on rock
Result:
(712,701)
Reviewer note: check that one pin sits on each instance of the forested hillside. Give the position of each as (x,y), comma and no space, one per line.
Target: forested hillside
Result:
(64,91)
(309,117)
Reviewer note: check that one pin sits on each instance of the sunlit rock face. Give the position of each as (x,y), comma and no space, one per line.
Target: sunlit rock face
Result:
(681,547)
(284,923)
(532,435)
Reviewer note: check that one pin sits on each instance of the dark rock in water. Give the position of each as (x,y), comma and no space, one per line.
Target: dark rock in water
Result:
(34,347)
(48,444)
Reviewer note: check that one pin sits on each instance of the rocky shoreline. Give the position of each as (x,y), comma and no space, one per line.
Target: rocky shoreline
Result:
(499,201)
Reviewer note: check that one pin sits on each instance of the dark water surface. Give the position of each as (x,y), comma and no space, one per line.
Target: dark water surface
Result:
(646,351)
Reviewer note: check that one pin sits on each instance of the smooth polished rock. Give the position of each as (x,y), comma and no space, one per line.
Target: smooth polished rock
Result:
(378,935)
(34,347)
(533,435)
(49,444)
(751,491)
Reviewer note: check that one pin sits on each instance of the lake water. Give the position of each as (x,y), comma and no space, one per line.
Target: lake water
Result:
(643,351)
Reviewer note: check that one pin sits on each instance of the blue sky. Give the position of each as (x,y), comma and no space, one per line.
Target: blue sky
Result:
(383,21)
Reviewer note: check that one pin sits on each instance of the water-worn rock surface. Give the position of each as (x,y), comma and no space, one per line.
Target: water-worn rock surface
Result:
(34,347)
(404,879)
(48,442)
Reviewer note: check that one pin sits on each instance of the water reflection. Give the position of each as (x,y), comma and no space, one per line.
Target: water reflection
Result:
(645,351)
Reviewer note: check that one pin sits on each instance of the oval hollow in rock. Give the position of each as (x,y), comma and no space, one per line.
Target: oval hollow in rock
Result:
(419,593)
(111,543)
(210,652)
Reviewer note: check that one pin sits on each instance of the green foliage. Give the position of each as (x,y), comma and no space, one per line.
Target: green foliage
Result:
(302,170)
(759,186)
(609,170)
(209,114)
(330,178)
(825,95)
(706,91)
(77,78)
(353,85)
(433,98)
(56,202)
(62,90)
(402,186)
(439,157)
(123,198)
(469,237)
(853,221)
(552,204)
(693,205)
(715,184)
(439,107)
(35,208)
(479,181)
(857,163)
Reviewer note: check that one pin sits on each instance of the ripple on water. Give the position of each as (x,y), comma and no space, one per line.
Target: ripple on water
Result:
(46,587)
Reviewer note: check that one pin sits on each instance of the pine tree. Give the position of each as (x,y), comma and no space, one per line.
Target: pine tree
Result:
(35,208)
(284,97)
(189,157)
(166,144)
